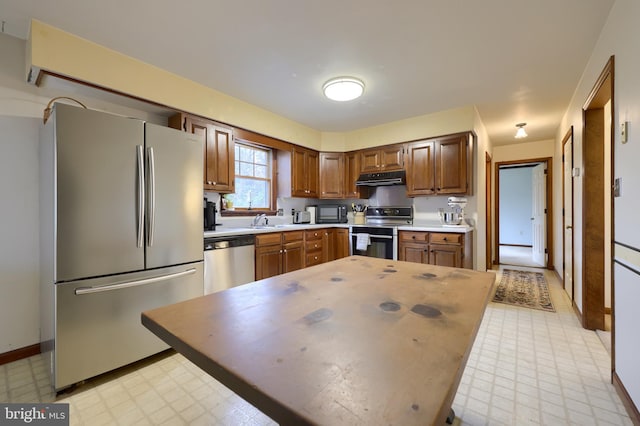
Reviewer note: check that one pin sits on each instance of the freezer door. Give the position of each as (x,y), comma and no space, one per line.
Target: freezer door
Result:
(174,197)
(97,191)
(98,324)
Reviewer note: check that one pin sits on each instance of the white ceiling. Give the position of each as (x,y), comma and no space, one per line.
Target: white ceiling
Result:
(515,60)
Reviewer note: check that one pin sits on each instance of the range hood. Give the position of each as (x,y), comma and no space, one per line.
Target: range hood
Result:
(381,179)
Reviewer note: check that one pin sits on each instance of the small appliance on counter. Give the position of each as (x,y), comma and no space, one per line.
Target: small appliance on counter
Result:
(301,217)
(331,213)
(210,216)
(312,214)
(455,217)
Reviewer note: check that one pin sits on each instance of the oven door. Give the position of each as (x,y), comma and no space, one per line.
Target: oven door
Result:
(382,242)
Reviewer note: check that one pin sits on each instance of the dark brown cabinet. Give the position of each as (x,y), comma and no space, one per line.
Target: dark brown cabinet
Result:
(439,166)
(219,154)
(341,242)
(332,175)
(328,245)
(314,247)
(304,172)
(338,175)
(382,159)
(278,253)
(436,248)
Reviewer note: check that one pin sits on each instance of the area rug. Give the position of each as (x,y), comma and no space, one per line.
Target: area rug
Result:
(523,288)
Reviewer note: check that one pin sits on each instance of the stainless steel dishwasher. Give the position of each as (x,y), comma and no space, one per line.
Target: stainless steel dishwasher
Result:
(228,262)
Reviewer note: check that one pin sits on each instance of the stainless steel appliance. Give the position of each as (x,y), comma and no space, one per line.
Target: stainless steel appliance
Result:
(397,177)
(121,233)
(456,216)
(331,213)
(301,217)
(228,262)
(379,237)
(312,214)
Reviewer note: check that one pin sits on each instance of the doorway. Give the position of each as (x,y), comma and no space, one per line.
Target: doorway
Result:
(597,204)
(567,214)
(523,234)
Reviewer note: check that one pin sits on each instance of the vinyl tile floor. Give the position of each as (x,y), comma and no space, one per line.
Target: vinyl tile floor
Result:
(527,367)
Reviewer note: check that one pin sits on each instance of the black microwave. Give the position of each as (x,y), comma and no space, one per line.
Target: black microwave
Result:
(331,213)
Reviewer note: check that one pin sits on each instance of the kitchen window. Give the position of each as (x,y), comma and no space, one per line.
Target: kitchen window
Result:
(253,178)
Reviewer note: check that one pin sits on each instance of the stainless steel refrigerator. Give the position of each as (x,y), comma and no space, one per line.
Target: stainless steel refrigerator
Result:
(121,232)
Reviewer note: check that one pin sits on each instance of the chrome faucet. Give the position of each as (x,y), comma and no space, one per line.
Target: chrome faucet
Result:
(258,218)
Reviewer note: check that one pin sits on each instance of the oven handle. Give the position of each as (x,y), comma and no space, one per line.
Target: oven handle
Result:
(373,237)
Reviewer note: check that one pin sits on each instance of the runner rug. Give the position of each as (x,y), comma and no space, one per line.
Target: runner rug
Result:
(523,288)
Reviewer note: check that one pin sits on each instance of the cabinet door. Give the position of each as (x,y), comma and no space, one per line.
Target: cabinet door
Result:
(328,245)
(351,175)
(392,157)
(305,170)
(420,168)
(370,161)
(341,242)
(413,252)
(224,159)
(451,165)
(445,255)
(268,261)
(312,172)
(293,256)
(331,175)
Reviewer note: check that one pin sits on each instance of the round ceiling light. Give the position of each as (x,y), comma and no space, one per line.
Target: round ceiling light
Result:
(343,89)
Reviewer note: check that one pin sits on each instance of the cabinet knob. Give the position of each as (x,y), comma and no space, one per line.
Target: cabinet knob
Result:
(315,257)
(285,250)
(445,239)
(413,237)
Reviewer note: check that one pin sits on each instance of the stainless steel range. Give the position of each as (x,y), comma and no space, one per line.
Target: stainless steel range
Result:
(379,236)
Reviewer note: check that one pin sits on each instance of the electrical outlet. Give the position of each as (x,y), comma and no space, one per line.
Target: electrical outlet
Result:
(617,187)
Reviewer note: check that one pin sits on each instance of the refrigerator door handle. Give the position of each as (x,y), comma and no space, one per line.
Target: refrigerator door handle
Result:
(141,197)
(152,195)
(135,283)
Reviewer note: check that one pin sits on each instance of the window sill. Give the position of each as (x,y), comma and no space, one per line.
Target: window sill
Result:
(245,212)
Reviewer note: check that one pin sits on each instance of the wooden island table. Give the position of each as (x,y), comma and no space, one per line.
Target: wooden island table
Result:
(359,340)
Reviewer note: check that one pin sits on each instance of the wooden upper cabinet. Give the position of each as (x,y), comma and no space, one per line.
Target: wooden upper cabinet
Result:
(452,156)
(439,166)
(332,175)
(383,159)
(219,151)
(421,176)
(351,174)
(305,172)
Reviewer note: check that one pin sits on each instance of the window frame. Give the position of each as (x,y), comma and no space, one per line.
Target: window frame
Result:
(244,211)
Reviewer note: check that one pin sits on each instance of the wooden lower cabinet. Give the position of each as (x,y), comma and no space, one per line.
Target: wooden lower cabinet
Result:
(436,248)
(313,246)
(279,252)
(341,238)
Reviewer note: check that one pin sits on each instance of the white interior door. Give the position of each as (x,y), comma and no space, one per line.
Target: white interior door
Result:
(538,216)
(568,218)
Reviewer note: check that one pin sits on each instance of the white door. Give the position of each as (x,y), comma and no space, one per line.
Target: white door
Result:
(538,216)
(568,218)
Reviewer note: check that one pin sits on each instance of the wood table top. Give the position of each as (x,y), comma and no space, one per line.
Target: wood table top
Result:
(359,340)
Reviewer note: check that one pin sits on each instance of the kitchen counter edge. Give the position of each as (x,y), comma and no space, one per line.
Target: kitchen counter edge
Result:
(421,227)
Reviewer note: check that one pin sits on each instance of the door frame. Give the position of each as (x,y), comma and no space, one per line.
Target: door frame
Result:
(568,137)
(549,213)
(489,230)
(593,207)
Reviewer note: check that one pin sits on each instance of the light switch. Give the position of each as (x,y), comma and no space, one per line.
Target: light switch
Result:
(624,132)
(617,187)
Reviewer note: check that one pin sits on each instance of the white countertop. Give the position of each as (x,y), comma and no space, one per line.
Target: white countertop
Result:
(224,231)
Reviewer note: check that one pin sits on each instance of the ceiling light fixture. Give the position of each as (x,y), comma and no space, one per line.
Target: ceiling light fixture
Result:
(520,133)
(343,89)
